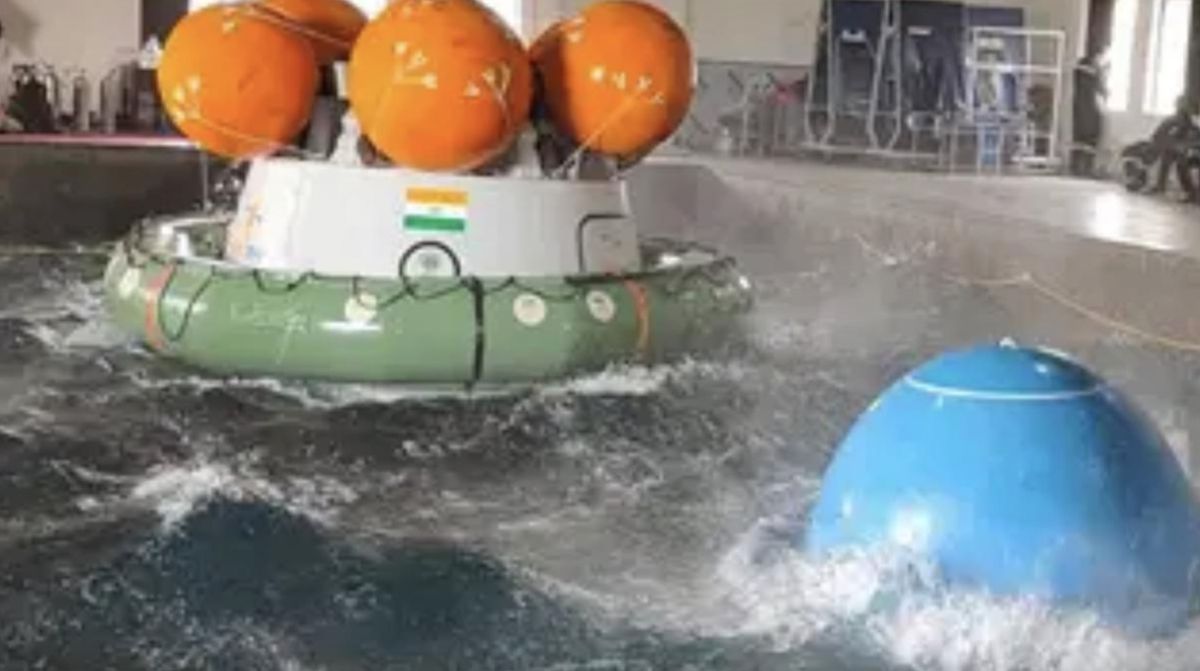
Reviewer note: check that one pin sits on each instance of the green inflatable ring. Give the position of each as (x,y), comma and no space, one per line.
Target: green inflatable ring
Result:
(166,284)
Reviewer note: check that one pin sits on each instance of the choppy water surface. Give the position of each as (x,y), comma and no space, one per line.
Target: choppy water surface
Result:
(154,518)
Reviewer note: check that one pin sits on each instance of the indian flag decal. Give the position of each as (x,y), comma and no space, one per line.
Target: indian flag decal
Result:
(436,210)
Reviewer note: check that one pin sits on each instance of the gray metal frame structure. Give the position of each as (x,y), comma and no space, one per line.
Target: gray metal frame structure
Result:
(979,119)
(1034,147)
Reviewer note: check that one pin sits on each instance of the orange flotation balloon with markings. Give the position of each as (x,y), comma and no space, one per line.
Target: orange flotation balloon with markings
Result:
(331,25)
(618,78)
(440,84)
(237,84)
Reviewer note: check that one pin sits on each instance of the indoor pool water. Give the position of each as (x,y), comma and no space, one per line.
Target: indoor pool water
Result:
(640,518)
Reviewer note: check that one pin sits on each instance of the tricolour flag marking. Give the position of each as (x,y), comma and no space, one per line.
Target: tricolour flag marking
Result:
(436,210)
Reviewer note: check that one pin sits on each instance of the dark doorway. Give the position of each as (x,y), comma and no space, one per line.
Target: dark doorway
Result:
(1193,77)
(159,16)
(1100,26)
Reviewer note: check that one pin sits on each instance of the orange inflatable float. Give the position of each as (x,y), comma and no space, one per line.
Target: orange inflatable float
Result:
(237,84)
(617,78)
(331,25)
(440,85)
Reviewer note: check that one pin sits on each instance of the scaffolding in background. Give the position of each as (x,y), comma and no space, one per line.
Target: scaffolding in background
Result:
(744,109)
(1014,106)
(884,53)
(910,81)
(932,85)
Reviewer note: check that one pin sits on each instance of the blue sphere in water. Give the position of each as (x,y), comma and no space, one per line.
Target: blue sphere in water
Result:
(1020,472)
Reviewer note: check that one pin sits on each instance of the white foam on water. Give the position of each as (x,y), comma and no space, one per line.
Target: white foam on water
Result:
(315,395)
(626,380)
(266,645)
(615,381)
(69,317)
(94,334)
(339,395)
(175,492)
(892,606)
(200,384)
(77,300)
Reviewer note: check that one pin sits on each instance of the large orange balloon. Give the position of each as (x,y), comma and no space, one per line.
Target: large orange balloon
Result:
(331,25)
(617,78)
(235,83)
(440,84)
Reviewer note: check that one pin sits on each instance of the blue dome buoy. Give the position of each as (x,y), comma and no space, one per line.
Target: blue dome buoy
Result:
(1020,472)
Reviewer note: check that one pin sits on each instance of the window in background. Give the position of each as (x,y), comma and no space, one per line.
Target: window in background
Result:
(371,7)
(1166,68)
(509,9)
(1120,54)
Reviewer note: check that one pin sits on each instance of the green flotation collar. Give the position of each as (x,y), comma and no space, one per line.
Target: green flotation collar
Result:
(167,285)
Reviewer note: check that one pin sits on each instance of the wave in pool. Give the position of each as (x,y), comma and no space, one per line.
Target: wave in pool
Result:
(894,607)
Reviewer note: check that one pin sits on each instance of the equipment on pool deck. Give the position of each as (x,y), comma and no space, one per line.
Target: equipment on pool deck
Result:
(912,79)
(1020,472)
(389,275)
(1174,147)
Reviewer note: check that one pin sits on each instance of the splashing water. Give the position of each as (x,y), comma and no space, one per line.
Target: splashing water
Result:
(894,606)
(638,518)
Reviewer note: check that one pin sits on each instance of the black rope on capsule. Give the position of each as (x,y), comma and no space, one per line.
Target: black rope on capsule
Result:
(571,294)
(287,288)
(414,289)
(189,309)
(717,272)
(479,300)
(357,293)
